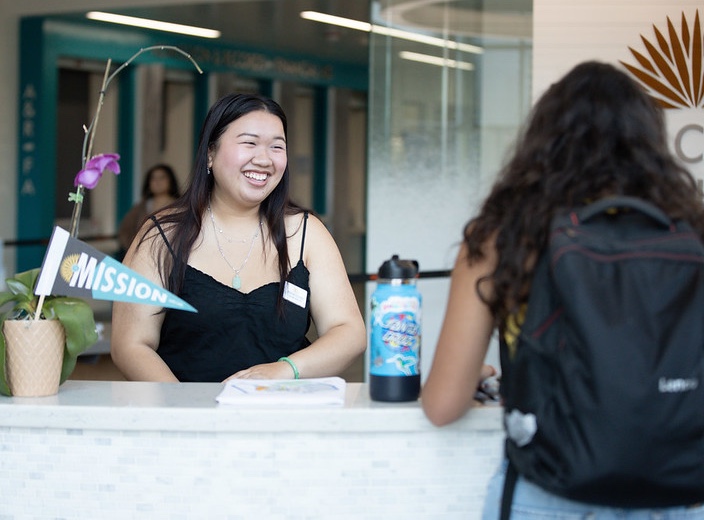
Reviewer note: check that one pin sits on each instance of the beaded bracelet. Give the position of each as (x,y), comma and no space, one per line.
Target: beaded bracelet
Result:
(296,375)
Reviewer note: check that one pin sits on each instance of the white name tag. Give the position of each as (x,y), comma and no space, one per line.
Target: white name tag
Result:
(295,294)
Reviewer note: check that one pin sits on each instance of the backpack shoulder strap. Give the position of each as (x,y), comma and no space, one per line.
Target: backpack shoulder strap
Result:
(509,488)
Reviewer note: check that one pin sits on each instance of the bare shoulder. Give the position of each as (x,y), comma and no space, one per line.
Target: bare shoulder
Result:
(316,226)
(317,241)
(160,227)
(313,226)
(150,241)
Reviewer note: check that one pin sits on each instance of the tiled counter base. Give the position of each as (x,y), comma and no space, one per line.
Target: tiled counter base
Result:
(147,450)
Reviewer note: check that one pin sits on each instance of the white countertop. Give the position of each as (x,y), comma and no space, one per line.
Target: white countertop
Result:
(140,406)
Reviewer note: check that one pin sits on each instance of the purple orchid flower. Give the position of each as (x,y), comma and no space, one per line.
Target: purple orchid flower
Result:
(93,171)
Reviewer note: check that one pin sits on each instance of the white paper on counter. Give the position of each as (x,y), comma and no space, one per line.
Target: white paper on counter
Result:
(315,391)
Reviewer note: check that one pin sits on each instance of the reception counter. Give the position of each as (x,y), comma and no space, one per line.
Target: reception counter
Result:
(103,449)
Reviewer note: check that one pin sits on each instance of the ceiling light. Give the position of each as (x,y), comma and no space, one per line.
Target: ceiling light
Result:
(389,31)
(436,60)
(336,20)
(153,24)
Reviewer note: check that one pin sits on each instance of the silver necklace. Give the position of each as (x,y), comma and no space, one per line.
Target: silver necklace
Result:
(218,229)
(236,280)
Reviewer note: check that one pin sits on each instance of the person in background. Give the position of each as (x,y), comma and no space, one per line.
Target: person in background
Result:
(593,134)
(255,265)
(159,189)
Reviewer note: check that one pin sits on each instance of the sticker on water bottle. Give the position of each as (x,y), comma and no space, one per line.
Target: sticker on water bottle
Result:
(395,337)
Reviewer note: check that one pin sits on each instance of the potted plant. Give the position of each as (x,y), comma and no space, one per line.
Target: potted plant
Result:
(51,327)
(73,315)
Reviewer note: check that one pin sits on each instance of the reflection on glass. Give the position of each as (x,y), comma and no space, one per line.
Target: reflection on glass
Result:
(440,125)
(441,119)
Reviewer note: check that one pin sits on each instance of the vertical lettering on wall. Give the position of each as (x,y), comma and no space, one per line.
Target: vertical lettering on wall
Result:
(28,145)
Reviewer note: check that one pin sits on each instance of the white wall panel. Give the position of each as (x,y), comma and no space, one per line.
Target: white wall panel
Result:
(566,33)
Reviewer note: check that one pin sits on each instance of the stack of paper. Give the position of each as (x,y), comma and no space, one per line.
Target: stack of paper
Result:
(317,391)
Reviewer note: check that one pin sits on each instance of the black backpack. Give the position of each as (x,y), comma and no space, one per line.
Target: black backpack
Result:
(604,393)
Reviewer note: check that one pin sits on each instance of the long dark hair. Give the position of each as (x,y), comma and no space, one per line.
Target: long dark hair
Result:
(594,133)
(183,221)
(173,182)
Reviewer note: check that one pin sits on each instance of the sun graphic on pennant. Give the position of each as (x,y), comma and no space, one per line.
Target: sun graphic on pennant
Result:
(672,70)
(69,266)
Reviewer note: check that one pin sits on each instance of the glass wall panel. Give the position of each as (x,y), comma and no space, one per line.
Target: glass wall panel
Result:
(449,87)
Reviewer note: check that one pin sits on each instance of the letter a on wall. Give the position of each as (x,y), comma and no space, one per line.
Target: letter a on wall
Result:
(73,268)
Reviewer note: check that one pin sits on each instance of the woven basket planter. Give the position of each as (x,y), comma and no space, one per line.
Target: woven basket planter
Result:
(34,353)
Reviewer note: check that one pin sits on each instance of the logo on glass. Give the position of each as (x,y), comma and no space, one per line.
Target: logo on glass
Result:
(672,69)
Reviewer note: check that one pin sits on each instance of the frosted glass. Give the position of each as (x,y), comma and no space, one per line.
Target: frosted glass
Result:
(437,137)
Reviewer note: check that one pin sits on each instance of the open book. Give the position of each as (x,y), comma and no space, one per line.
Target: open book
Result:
(316,391)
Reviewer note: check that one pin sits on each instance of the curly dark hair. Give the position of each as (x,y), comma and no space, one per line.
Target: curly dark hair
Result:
(594,133)
(184,218)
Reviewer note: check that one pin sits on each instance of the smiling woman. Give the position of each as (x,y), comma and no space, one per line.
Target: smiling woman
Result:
(247,164)
(236,216)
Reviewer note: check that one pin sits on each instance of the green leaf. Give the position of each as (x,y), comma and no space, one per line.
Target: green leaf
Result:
(76,316)
(23,283)
(4,387)
(28,278)
(67,367)
(20,289)
(6,296)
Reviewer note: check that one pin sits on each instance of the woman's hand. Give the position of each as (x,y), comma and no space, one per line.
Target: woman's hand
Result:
(486,372)
(277,370)
(488,389)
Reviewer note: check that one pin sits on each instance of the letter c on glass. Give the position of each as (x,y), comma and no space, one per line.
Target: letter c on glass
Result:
(678,143)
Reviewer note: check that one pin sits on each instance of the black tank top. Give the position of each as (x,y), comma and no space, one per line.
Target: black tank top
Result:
(232,330)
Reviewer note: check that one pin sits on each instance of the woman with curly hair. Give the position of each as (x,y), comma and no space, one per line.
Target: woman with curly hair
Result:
(593,134)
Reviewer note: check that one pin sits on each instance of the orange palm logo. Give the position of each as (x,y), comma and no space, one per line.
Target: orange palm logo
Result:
(672,70)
